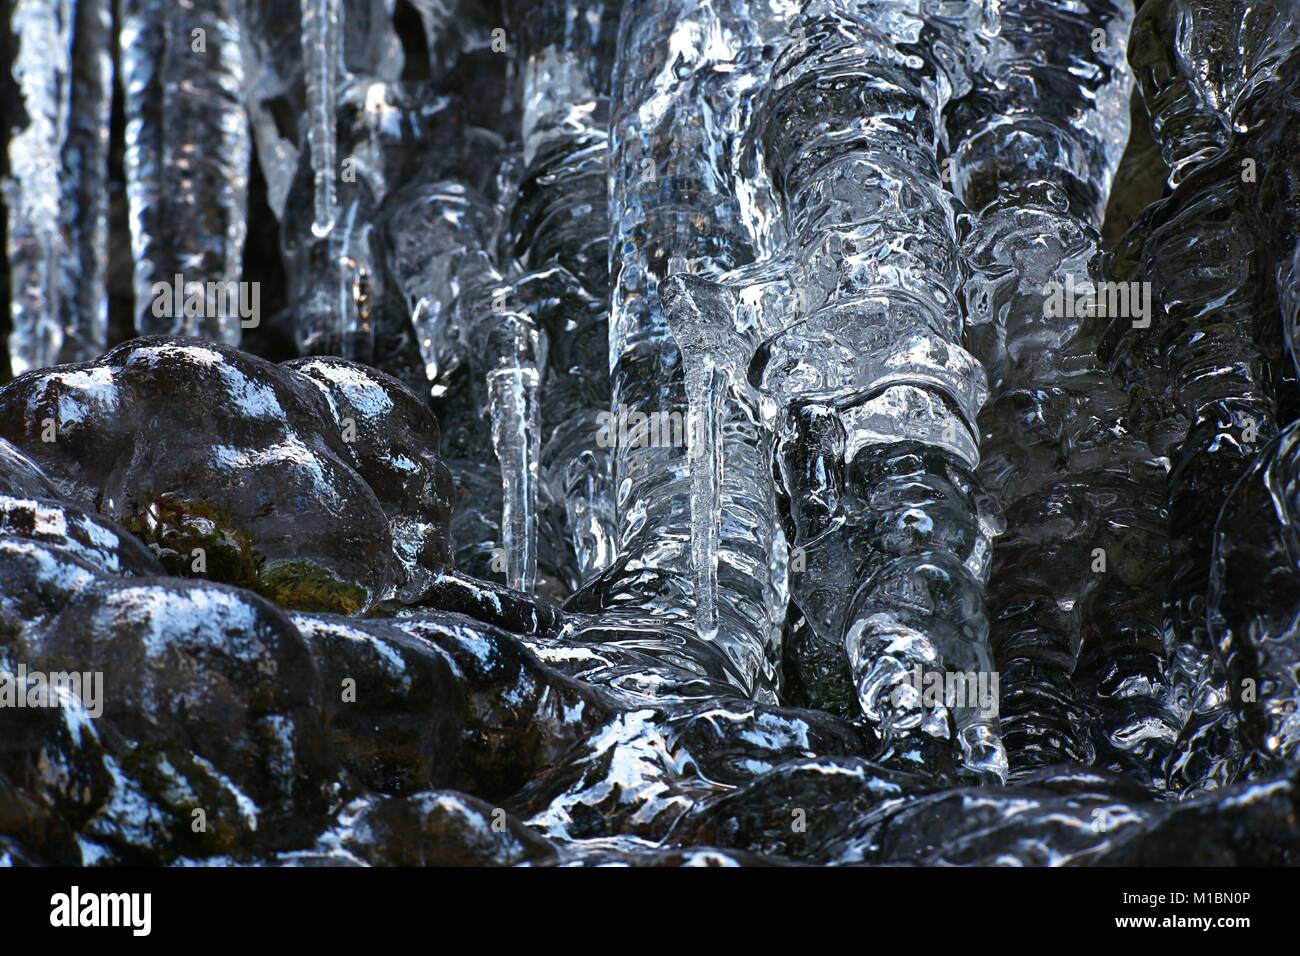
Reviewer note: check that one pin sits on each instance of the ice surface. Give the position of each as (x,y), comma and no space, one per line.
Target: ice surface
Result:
(1035,147)
(56,196)
(187,155)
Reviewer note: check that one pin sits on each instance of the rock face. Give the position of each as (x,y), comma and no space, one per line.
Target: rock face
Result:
(275,478)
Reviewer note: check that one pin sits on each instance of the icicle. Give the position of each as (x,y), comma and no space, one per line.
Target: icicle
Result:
(57,198)
(322,33)
(187,156)
(516,349)
(558,234)
(682,68)
(714,356)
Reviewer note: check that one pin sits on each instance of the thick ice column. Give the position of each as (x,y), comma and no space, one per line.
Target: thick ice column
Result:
(1035,146)
(57,201)
(1200,371)
(677,83)
(877,398)
(187,155)
(1253,601)
(559,238)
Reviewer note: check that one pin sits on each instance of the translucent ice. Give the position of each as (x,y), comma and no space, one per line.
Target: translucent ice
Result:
(187,155)
(56,196)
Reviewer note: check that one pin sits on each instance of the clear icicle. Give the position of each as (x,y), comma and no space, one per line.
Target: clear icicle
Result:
(680,74)
(714,356)
(56,198)
(513,403)
(559,230)
(322,32)
(182,73)
(705,393)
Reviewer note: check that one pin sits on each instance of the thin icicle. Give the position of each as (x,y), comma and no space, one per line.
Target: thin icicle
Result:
(512,396)
(701,315)
(321,37)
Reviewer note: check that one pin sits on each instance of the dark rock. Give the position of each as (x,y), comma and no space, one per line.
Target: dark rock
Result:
(521,717)
(393,438)
(490,603)
(20,476)
(101,544)
(212,703)
(442,828)
(53,776)
(193,445)
(396,715)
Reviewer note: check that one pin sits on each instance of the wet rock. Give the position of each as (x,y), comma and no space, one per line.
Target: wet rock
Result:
(53,776)
(212,707)
(1074,816)
(36,580)
(798,809)
(490,603)
(229,466)
(100,544)
(396,715)
(521,717)
(20,476)
(442,828)
(393,438)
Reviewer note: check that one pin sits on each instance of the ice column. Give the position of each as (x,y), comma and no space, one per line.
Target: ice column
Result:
(187,155)
(559,230)
(877,399)
(1035,146)
(56,197)
(680,71)
(1199,370)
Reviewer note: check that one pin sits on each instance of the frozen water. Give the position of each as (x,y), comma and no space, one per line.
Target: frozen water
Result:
(56,197)
(183,79)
